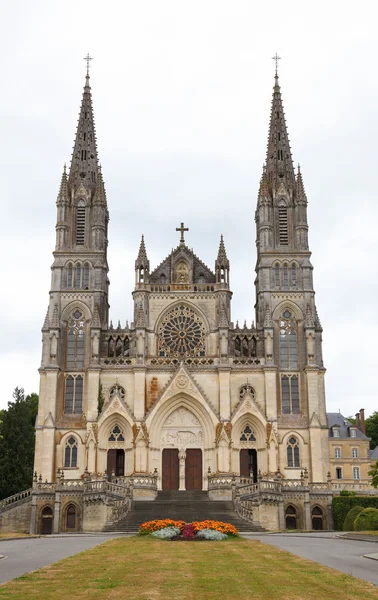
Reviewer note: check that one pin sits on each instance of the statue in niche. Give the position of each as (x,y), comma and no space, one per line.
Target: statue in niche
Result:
(182,273)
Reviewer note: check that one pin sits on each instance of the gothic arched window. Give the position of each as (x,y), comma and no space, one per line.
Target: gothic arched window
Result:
(75,341)
(245,347)
(290,394)
(85,282)
(80,223)
(126,347)
(78,273)
(116,435)
(111,347)
(70,453)
(70,275)
(293,459)
(73,395)
(182,333)
(277,275)
(293,275)
(119,347)
(247,435)
(285,277)
(288,341)
(237,346)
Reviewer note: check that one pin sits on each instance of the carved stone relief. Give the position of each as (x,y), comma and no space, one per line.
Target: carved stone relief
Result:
(181,430)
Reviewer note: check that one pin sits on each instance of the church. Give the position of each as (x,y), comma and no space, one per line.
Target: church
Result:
(181,398)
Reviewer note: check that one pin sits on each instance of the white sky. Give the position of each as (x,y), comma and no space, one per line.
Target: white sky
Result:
(182,94)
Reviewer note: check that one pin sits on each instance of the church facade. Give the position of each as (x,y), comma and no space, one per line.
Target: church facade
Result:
(182,394)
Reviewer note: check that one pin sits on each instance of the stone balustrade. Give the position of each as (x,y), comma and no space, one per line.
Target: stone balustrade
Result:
(16,498)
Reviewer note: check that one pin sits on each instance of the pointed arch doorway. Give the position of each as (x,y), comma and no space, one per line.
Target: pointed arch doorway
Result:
(182,457)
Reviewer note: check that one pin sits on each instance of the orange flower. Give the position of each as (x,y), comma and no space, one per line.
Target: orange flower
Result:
(151,526)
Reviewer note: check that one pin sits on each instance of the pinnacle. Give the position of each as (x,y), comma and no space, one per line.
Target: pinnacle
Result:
(140,320)
(301,193)
(223,321)
(264,188)
(63,190)
(142,259)
(222,254)
(96,317)
(55,318)
(100,193)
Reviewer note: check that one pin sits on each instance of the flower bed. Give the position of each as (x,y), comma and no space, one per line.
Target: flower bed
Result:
(168,529)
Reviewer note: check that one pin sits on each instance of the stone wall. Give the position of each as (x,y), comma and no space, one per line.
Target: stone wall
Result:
(16,519)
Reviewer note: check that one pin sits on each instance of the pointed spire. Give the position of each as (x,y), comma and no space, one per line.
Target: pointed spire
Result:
(84,163)
(318,324)
(63,190)
(142,259)
(309,322)
(279,163)
(222,259)
(301,197)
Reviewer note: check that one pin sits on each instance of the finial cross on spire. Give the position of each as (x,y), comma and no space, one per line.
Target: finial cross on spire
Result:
(276,58)
(182,229)
(88,59)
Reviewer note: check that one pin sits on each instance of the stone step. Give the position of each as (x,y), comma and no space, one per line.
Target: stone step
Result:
(187,506)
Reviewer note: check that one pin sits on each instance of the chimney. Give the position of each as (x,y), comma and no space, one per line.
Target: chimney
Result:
(358,425)
(362,420)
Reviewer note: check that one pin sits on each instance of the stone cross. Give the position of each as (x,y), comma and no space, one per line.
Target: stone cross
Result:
(182,229)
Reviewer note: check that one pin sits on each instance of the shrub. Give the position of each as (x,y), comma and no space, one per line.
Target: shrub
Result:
(347,493)
(342,505)
(351,516)
(367,520)
(211,534)
(166,533)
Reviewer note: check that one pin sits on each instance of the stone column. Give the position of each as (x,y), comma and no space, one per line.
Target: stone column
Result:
(182,459)
(56,521)
(33,518)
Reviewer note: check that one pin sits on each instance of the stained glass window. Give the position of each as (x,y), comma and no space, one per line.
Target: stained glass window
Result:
(182,333)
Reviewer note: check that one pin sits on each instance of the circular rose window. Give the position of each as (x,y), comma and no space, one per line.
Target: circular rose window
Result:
(182,333)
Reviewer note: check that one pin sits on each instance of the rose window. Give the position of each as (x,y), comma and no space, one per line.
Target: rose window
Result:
(182,333)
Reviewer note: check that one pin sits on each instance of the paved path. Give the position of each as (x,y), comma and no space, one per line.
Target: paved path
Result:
(325,548)
(24,555)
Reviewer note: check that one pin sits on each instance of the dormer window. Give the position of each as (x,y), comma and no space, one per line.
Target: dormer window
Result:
(336,431)
(353,432)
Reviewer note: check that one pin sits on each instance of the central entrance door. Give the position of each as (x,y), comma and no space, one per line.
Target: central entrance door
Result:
(248,463)
(170,469)
(193,469)
(116,462)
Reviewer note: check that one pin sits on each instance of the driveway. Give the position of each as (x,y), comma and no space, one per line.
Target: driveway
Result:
(326,548)
(24,555)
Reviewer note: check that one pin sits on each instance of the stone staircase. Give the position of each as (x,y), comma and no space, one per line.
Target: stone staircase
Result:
(186,506)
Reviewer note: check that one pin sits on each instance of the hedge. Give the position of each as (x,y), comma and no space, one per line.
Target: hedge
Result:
(367,520)
(341,505)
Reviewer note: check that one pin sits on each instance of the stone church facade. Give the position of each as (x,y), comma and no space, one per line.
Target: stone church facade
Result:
(183,398)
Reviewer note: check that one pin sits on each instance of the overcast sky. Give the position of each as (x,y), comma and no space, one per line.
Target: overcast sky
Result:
(182,93)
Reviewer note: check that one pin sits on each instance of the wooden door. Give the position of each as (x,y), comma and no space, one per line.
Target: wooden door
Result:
(193,469)
(170,469)
(120,463)
(244,463)
(47,521)
(111,464)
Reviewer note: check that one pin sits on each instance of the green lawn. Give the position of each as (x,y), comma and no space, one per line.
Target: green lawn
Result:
(143,568)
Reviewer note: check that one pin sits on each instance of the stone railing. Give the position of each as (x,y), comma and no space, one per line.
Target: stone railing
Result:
(70,484)
(144,481)
(120,509)
(118,361)
(16,499)
(103,486)
(174,361)
(216,482)
(353,485)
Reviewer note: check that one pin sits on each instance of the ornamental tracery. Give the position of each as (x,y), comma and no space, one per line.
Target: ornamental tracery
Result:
(181,333)
(117,390)
(246,390)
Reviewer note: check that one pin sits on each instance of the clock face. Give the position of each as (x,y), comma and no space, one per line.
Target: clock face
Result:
(182,333)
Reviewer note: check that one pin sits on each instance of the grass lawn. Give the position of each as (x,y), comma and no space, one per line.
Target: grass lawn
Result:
(144,568)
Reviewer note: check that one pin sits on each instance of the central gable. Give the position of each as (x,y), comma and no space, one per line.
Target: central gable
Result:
(182,266)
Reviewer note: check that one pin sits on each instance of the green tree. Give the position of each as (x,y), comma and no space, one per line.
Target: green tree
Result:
(372,429)
(17,439)
(374,474)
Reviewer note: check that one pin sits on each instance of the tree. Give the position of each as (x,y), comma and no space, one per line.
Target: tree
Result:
(374,474)
(17,439)
(372,429)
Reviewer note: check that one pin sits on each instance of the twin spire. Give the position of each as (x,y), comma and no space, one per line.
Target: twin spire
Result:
(84,163)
